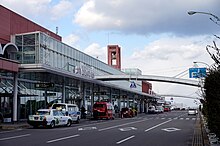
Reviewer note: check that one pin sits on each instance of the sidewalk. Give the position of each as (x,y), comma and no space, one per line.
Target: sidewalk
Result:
(200,137)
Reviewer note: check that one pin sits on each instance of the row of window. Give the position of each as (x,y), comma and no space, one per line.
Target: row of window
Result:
(56,54)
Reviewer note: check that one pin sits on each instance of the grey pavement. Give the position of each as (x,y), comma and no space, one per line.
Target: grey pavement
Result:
(200,137)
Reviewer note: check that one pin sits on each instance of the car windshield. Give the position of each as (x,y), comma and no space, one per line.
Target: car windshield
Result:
(58,106)
(99,105)
(42,113)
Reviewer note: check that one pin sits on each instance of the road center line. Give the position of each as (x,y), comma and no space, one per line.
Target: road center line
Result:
(157,126)
(13,137)
(121,125)
(59,139)
(125,139)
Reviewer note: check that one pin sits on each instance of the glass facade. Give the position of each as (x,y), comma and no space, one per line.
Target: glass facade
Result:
(40,48)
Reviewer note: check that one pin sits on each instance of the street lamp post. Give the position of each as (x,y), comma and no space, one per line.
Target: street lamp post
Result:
(194,12)
(201,63)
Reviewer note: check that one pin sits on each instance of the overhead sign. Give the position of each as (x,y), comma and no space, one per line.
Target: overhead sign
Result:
(133,85)
(44,85)
(197,72)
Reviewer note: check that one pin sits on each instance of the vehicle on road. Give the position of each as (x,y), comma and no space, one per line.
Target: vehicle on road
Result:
(159,109)
(103,110)
(49,118)
(167,108)
(71,110)
(192,111)
(151,109)
(127,112)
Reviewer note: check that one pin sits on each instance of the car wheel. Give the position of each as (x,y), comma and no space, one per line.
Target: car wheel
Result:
(77,121)
(52,124)
(69,122)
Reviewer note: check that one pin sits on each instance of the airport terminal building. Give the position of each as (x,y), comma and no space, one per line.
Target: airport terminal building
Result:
(38,69)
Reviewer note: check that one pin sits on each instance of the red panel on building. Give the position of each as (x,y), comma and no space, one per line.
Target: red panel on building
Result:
(146,87)
(11,23)
(8,65)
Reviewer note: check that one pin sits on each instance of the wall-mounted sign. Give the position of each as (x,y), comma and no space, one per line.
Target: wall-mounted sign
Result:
(133,85)
(44,85)
(84,71)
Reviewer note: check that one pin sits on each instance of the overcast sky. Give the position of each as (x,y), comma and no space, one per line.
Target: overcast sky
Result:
(156,36)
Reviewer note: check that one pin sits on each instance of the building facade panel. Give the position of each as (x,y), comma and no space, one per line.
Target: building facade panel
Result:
(8,65)
(4,25)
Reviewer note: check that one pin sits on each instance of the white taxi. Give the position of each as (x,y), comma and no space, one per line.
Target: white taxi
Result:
(49,118)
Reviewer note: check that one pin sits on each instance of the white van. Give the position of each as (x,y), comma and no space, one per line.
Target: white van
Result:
(71,110)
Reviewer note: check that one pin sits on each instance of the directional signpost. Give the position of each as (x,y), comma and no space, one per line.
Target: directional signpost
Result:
(197,72)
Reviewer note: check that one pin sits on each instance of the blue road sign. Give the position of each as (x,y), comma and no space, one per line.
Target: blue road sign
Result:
(133,85)
(197,72)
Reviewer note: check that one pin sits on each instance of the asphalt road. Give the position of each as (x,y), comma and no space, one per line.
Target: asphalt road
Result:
(168,129)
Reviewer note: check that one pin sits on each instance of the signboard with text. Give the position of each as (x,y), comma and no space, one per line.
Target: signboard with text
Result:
(197,72)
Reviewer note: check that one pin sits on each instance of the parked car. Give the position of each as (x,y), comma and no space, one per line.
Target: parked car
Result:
(192,111)
(71,110)
(127,112)
(151,109)
(103,110)
(49,118)
(159,109)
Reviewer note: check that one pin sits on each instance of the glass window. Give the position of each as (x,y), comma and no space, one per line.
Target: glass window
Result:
(29,54)
(18,40)
(29,39)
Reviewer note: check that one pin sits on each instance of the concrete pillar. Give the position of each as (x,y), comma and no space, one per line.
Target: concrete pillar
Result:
(63,91)
(92,99)
(84,94)
(110,95)
(45,96)
(80,91)
(15,98)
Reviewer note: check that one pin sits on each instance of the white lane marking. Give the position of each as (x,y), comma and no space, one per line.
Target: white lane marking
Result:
(123,140)
(171,129)
(13,137)
(87,128)
(157,126)
(127,128)
(121,125)
(63,138)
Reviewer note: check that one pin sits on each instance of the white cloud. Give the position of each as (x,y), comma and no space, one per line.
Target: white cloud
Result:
(170,47)
(61,9)
(145,17)
(97,52)
(71,40)
(163,56)
(28,8)
(41,9)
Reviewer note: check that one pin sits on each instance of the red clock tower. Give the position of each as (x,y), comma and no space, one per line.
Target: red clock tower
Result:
(114,56)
